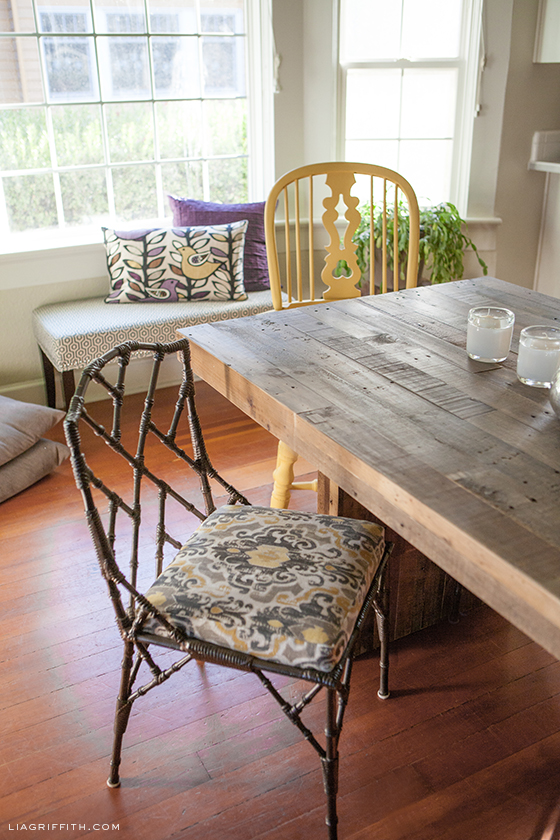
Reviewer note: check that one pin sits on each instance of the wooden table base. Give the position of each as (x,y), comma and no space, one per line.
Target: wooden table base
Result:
(421,594)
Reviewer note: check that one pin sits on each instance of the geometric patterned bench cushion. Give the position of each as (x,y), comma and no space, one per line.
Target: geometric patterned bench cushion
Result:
(74,333)
(281,585)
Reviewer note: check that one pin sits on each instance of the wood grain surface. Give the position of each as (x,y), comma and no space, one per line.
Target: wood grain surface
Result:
(457,457)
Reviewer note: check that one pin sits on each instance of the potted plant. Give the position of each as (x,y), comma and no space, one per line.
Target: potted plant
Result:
(443,241)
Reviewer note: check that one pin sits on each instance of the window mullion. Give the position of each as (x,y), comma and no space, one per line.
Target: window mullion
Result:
(4,222)
(204,120)
(157,165)
(54,167)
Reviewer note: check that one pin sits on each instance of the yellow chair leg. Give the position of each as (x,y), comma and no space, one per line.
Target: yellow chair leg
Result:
(283,476)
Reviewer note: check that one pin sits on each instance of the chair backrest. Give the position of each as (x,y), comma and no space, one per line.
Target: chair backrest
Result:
(171,481)
(391,233)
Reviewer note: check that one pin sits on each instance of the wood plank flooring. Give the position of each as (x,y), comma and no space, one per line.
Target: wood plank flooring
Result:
(467,748)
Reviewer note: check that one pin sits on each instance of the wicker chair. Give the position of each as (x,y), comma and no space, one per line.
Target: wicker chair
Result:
(274,592)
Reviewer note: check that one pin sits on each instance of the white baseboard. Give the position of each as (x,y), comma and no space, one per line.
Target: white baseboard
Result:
(33,390)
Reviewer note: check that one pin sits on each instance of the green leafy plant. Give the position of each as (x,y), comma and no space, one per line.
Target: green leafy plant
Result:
(443,241)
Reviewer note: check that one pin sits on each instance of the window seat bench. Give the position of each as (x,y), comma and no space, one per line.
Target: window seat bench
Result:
(73,333)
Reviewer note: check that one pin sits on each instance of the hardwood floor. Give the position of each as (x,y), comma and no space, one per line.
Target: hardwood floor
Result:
(467,748)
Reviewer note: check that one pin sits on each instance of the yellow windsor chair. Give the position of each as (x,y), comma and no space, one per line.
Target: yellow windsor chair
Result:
(294,241)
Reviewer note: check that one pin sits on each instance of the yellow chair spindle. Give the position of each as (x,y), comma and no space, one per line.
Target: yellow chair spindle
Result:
(298,245)
(371,240)
(311,243)
(384,239)
(413,242)
(288,246)
(396,241)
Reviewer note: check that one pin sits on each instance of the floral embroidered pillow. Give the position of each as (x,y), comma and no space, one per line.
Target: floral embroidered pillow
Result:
(176,264)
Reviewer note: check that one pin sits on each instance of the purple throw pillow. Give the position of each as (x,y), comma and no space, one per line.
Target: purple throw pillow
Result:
(189,211)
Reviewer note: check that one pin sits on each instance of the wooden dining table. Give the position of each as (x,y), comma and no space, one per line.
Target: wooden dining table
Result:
(458,458)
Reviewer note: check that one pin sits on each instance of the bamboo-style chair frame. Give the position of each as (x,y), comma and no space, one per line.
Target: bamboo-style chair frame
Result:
(131,606)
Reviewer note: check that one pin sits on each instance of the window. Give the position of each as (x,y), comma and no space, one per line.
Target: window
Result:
(409,72)
(107,105)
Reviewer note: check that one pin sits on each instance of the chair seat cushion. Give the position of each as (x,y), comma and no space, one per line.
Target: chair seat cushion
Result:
(280,585)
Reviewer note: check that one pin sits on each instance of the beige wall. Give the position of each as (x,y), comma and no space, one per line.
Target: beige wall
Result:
(532,103)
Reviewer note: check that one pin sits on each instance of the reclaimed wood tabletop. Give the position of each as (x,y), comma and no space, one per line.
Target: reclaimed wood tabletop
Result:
(458,457)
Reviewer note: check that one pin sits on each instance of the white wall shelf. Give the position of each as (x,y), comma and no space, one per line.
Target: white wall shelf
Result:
(545,151)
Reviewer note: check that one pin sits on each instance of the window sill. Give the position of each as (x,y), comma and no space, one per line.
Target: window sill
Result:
(19,244)
(36,258)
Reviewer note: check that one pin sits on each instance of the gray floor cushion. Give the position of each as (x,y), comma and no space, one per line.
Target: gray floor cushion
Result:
(25,456)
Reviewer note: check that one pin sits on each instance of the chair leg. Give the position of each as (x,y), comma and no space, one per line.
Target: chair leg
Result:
(381,608)
(122,714)
(68,386)
(283,476)
(48,371)
(330,763)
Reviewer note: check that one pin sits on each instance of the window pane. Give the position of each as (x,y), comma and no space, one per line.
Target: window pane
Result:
(77,134)
(135,192)
(362,190)
(56,20)
(177,17)
(226,127)
(183,179)
(20,71)
(130,131)
(84,196)
(431,29)
(24,142)
(30,202)
(17,16)
(124,68)
(176,67)
(222,16)
(427,165)
(380,152)
(371,29)
(228,180)
(428,103)
(223,61)
(373,103)
(179,129)
(70,66)
(121,16)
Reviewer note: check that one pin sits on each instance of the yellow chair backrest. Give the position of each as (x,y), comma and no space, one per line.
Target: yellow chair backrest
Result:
(291,256)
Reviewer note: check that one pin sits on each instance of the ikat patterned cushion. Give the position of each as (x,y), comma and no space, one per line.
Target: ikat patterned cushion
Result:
(280,585)
(176,264)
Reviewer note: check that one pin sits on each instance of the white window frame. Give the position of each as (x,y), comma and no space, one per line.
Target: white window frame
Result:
(259,74)
(469,65)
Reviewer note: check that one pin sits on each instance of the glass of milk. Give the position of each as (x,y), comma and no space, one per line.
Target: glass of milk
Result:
(489,332)
(539,355)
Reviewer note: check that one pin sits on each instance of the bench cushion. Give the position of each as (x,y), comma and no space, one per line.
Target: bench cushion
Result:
(74,333)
